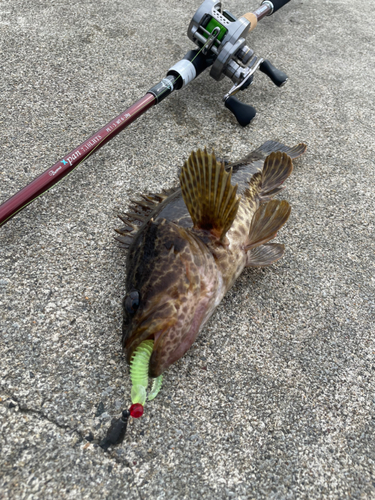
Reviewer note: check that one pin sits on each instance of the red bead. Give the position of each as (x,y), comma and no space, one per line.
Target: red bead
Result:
(136,410)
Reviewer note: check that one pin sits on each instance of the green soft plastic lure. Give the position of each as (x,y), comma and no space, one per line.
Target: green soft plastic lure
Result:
(139,366)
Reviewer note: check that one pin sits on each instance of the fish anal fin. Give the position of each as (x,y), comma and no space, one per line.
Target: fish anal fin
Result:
(267,220)
(277,168)
(264,255)
(207,191)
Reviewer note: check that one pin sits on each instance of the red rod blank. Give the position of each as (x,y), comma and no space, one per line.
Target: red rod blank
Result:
(63,167)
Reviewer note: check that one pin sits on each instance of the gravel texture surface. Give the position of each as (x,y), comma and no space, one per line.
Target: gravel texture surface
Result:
(276,398)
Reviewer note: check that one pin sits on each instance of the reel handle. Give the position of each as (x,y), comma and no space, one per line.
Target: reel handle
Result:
(278,77)
(244,113)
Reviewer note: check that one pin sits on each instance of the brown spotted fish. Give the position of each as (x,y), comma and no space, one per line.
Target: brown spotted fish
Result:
(188,245)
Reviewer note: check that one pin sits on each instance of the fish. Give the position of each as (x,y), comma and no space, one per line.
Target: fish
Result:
(186,246)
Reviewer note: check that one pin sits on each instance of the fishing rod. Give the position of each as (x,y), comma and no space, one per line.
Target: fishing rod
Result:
(220,38)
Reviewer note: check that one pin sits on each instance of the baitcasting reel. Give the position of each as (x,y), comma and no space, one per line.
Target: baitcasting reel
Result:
(221,38)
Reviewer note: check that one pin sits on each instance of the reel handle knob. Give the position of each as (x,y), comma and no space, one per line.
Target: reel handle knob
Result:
(243,112)
(278,77)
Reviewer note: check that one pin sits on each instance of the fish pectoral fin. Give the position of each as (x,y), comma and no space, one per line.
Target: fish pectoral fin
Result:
(265,255)
(267,220)
(277,168)
(207,191)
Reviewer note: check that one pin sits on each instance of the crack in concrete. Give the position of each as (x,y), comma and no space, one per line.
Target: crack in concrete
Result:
(110,453)
(24,409)
(135,483)
(127,464)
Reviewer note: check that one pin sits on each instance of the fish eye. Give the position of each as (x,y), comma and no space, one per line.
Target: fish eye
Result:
(131,302)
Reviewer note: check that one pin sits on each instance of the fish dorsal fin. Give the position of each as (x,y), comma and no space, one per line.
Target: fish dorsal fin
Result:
(139,212)
(267,220)
(208,194)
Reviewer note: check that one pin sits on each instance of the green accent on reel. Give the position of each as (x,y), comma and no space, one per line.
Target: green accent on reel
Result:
(213,24)
(139,367)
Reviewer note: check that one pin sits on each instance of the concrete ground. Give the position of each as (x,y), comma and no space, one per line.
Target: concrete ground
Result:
(275,400)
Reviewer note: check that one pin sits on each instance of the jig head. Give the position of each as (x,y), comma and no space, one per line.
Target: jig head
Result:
(139,366)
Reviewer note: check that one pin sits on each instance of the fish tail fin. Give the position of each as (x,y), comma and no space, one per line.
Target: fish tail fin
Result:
(274,147)
(267,221)
(277,168)
(207,191)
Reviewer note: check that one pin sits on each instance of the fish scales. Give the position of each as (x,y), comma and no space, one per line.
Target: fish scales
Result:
(188,245)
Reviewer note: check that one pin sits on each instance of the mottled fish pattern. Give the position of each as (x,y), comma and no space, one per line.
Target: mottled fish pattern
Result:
(188,245)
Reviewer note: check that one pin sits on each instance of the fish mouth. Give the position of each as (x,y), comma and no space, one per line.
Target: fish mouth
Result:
(152,326)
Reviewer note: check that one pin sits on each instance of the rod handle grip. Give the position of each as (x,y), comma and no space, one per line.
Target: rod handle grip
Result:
(277,4)
(252,18)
